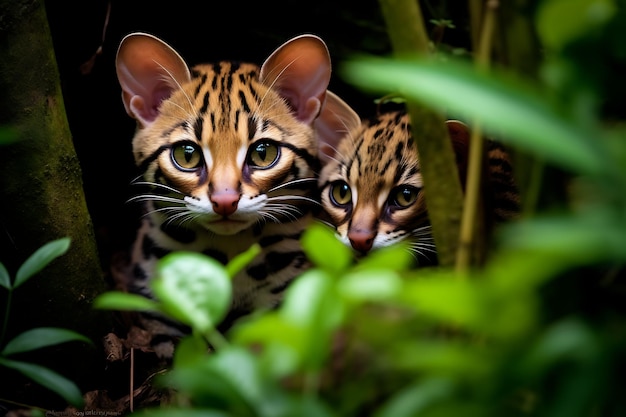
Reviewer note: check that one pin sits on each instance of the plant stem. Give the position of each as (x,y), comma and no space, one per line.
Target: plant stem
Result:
(472,189)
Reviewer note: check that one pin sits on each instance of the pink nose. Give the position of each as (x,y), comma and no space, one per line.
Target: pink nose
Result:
(361,240)
(225,203)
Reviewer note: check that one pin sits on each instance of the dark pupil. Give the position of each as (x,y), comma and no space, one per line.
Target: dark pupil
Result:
(343,190)
(262,151)
(188,151)
(406,195)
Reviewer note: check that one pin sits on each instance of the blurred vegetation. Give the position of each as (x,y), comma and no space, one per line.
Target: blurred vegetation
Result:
(538,331)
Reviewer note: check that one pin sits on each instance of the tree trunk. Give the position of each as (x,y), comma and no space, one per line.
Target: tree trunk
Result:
(42,199)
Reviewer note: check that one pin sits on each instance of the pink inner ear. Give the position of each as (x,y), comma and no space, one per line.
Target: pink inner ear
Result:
(335,123)
(300,71)
(148,71)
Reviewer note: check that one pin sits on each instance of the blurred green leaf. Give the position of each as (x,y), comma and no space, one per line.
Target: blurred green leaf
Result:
(496,100)
(40,259)
(194,289)
(370,285)
(47,378)
(416,398)
(7,135)
(324,249)
(312,304)
(395,257)
(115,300)
(242,260)
(190,351)
(5,279)
(561,21)
(39,338)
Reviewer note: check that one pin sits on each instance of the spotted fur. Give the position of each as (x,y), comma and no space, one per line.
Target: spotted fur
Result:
(227,155)
(372,188)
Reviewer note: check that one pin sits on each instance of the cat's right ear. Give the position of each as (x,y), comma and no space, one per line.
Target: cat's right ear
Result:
(336,122)
(148,70)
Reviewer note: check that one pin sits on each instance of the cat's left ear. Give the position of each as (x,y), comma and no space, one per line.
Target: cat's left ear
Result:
(300,71)
(336,121)
(148,70)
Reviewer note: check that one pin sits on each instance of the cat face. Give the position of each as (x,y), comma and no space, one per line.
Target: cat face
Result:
(372,189)
(223,147)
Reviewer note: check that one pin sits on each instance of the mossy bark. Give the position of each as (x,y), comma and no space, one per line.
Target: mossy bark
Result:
(442,186)
(42,199)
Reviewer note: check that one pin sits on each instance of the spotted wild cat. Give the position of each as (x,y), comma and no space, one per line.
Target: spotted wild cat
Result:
(371,186)
(227,155)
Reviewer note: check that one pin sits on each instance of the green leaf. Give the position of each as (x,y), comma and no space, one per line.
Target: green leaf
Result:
(396,257)
(370,285)
(325,250)
(47,378)
(240,261)
(40,259)
(39,338)
(189,351)
(5,279)
(497,101)
(415,399)
(561,21)
(115,300)
(194,289)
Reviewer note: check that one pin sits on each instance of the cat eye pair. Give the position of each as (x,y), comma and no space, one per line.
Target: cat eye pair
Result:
(401,197)
(187,156)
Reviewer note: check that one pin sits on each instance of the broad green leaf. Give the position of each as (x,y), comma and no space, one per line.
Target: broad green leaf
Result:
(40,259)
(497,101)
(370,285)
(47,378)
(325,250)
(5,279)
(194,289)
(561,21)
(39,338)
(115,300)
(240,261)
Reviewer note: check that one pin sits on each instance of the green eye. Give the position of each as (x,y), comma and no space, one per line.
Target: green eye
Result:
(340,193)
(263,154)
(404,196)
(186,156)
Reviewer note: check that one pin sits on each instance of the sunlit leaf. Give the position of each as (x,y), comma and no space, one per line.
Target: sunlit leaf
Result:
(499,102)
(325,250)
(39,338)
(396,257)
(115,300)
(5,279)
(47,378)
(40,259)
(194,289)
(562,21)
(370,285)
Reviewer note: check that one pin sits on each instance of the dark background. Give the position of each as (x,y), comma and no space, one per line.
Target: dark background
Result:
(201,31)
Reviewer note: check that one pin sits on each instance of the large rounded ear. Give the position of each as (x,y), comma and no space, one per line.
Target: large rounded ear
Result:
(336,121)
(460,136)
(148,70)
(300,71)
